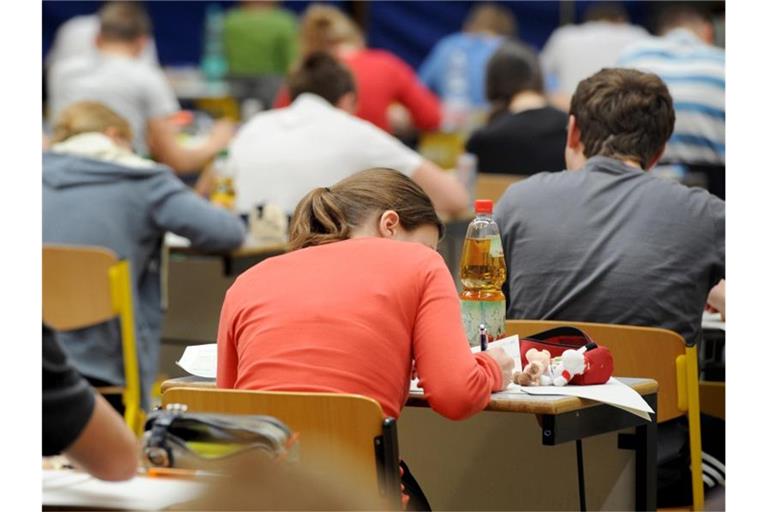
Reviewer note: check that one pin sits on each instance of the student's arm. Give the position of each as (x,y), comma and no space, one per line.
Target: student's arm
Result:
(716,299)
(420,102)
(446,192)
(226,358)
(106,448)
(456,382)
(383,150)
(174,207)
(165,148)
(80,423)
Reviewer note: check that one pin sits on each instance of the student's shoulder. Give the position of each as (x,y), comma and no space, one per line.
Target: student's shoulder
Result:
(260,123)
(697,201)
(537,188)
(383,58)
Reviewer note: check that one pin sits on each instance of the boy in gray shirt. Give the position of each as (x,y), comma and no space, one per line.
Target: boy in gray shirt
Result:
(607,242)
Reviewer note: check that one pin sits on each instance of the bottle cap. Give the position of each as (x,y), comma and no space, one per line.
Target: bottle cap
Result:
(484,206)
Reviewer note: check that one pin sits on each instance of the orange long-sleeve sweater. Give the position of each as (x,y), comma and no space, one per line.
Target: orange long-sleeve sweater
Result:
(351,317)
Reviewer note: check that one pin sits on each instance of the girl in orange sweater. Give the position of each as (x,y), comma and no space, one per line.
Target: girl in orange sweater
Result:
(361,299)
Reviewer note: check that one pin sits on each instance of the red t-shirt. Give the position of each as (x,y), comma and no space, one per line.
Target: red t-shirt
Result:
(351,317)
(383,79)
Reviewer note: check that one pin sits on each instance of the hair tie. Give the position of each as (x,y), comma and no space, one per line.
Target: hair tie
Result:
(328,190)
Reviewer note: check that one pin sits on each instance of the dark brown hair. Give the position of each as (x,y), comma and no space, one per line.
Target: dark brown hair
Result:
(124,21)
(623,113)
(677,14)
(323,75)
(512,69)
(328,214)
(606,11)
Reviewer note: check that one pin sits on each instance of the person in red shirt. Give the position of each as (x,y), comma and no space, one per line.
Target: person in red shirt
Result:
(382,78)
(362,299)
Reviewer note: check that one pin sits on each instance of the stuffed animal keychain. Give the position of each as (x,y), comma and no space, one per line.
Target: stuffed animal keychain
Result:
(535,370)
(542,370)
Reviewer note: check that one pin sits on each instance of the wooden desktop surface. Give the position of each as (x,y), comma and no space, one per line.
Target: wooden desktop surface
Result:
(252,246)
(521,403)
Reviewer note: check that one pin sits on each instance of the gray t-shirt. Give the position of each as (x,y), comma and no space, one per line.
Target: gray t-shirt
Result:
(611,244)
(135,90)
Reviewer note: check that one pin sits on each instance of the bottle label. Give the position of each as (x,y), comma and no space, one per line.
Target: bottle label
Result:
(491,313)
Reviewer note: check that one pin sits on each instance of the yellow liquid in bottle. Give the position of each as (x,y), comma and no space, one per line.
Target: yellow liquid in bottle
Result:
(224,193)
(482,265)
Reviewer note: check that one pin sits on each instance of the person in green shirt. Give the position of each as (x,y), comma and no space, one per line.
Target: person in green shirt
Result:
(259,39)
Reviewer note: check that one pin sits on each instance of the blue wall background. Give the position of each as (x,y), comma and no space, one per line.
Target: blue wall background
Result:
(409,29)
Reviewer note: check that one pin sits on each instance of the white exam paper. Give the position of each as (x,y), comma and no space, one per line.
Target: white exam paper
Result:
(510,344)
(66,488)
(174,240)
(613,392)
(712,321)
(199,360)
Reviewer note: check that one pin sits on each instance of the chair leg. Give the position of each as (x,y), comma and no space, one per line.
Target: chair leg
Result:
(580,469)
(694,426)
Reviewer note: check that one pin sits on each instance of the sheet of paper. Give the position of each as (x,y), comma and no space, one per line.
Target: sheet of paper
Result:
(613,392)
(66,488)
(199,360)
(174,240)
(511,345)
(712,321)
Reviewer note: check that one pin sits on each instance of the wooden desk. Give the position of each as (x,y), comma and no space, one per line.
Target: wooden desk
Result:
(563,419)
(236,261)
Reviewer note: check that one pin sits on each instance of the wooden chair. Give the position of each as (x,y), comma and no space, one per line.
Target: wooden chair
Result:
(654,353)
(346,432)
(493,186)
(86,286)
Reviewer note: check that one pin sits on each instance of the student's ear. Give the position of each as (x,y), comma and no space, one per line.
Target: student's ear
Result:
(117,137)
(389,223)
(348,103)
(652,163)
(574,149)
(139,44)
(707,33)
(574,134)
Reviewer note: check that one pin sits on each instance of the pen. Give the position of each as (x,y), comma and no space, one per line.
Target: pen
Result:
(483,338)
(178,473)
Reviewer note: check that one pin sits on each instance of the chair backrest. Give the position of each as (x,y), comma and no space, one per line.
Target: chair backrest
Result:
(492,186)
(637,352)
(76,286)
(85,286)
(334,430)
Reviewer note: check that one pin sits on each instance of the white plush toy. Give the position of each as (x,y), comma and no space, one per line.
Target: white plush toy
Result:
(565,367)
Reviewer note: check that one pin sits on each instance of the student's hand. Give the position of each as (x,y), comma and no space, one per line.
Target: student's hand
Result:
(222,132)
(716,299)
(505,362)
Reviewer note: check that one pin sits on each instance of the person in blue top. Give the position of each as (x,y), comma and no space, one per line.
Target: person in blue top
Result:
(465,54)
